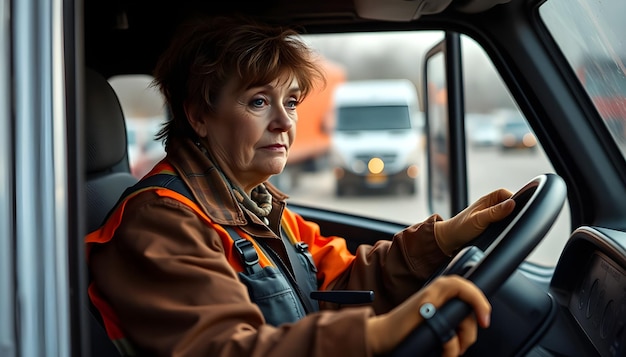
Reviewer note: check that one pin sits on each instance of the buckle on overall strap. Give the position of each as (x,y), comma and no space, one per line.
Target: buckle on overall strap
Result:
(247,252)
(303,249)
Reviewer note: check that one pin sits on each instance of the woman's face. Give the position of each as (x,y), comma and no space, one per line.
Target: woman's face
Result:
(251,132)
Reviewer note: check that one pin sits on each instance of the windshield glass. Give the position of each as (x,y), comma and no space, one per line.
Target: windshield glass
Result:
(590,34)
(373,118)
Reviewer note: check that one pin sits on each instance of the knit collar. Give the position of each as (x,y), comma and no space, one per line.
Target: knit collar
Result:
(259,202)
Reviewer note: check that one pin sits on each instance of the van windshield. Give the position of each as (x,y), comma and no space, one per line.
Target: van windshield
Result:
(392,117)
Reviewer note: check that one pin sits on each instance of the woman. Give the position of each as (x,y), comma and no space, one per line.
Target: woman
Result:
(210,262)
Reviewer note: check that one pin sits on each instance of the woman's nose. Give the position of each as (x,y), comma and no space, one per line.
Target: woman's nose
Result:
(282,120)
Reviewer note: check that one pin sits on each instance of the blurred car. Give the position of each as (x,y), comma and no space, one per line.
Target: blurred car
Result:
(143,150)
(483,130)
(516,133)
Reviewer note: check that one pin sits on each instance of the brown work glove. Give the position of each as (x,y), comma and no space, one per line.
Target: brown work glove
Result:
(453,233)
(384,332)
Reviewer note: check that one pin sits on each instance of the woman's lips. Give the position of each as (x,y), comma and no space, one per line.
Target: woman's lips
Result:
(275,147)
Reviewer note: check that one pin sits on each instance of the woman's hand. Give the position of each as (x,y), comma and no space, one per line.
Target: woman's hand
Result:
(384,332)
(453,233)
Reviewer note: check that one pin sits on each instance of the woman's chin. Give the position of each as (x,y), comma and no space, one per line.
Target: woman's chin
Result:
(275,167)
(269,172)
(277,172)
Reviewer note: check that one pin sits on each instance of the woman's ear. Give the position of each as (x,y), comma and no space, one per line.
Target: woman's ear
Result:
(198,122)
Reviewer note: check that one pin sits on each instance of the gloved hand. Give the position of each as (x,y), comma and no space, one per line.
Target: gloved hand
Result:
(453,233)
(384,332)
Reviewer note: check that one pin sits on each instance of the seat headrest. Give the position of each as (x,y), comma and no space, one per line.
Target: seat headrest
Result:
(105,128)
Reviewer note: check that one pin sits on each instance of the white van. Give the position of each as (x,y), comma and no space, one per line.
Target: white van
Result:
(376,138)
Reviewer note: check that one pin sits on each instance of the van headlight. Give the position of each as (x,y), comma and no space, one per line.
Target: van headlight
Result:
(376,165)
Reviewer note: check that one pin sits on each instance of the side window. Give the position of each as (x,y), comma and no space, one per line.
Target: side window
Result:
(144,111)
(501,147)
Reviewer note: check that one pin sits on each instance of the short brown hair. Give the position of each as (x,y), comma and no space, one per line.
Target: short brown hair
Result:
(207,54)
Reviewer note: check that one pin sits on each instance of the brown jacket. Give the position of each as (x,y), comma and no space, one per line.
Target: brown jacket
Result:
(167,277)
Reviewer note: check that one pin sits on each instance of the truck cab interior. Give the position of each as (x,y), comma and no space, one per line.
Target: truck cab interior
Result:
(563,63)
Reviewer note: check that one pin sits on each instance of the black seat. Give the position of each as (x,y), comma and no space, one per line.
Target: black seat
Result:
(107,172)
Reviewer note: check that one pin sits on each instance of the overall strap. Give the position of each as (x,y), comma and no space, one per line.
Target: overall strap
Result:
(246,250)
(168,181)
(300,270)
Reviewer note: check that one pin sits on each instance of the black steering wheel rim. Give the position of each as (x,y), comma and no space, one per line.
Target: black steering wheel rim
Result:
(538,204)
(506,244)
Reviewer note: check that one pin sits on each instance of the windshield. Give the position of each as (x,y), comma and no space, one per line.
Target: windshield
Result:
(373,118)
(590,34)
(603,78)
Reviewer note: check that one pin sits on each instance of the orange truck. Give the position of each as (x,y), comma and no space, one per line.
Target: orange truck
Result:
(310,149)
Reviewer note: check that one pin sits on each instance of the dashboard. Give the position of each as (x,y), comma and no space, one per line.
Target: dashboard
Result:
(599,304)
(589,284)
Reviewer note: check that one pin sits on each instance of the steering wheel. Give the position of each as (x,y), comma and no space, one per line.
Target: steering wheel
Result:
(505,244)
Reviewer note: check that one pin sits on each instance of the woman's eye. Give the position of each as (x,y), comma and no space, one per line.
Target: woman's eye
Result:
(292,103)
(258,102)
